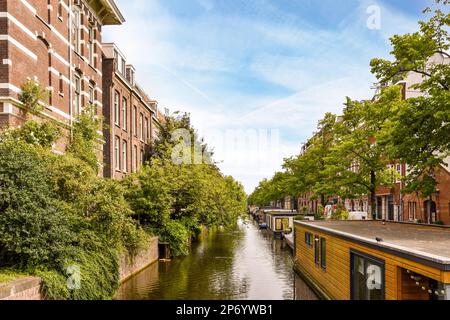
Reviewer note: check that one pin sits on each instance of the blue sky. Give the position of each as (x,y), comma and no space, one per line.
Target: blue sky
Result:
(263,70)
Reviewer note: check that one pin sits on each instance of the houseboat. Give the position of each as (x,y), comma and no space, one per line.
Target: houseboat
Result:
(373,260)
(280,222)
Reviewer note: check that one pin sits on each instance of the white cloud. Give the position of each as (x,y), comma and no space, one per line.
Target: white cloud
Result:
(195,64)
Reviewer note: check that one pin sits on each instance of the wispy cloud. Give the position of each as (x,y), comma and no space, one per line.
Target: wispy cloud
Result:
(258,64)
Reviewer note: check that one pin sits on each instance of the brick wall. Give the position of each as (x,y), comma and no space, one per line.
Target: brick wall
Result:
(129,265)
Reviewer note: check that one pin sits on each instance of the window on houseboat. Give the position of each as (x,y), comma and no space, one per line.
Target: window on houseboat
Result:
(323,253)
(316,250)
(308,239)
(278,224)
(367,278)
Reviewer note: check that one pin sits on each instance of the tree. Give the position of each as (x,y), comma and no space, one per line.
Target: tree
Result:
(418,132)
(33,97)
(86,140)
(174,199)
(358,162)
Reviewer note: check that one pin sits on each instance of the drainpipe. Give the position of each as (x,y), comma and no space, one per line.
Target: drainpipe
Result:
(70,71)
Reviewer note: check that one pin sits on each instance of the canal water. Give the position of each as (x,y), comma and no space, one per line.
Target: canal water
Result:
(239,264)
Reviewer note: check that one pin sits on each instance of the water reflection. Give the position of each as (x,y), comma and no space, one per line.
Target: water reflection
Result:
(244,263)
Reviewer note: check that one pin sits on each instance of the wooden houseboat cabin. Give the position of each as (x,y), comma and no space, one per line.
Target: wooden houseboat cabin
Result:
(280,222)
(373,260)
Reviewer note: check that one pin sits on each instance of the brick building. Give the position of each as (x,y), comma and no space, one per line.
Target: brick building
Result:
(130,116)
(58,44)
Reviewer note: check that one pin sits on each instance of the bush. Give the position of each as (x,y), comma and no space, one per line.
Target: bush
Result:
(55,212)
(340,213)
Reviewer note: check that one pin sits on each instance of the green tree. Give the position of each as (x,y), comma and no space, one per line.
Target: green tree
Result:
(33,97)
(86,140)
(418,132)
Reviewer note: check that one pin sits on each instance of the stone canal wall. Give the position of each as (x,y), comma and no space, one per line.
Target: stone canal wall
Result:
(131,264)
(21,289)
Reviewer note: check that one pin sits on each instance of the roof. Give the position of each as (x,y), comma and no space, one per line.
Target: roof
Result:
(107,11)
(282,213)
(430,243)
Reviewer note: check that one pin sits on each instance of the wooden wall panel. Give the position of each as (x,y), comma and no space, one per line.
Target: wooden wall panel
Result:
(335,280)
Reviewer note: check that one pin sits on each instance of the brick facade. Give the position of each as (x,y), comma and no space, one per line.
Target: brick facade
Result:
(129,115)
(58,44)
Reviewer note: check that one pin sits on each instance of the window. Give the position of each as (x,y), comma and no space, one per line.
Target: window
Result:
(309,239)
(123,67)
(141,126)
(135,121)
(117,108)
(61,84)
(124,114)
(367,277)
(412,207)
(142,157)
(60,9)
(91,45)
(117,152)
(132,77)
(323,253)
(116,61)
(91,93)
(77,97)
(76,28)
(134,161)
(124,156)
(147,127)
(316,250)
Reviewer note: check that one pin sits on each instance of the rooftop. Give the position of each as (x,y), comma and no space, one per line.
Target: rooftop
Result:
(431,243)
(107,11)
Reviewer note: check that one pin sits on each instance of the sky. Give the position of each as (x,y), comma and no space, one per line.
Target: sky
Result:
(257,75)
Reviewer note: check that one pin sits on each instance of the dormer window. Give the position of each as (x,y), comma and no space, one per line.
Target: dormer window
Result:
(116,60)
(121,66)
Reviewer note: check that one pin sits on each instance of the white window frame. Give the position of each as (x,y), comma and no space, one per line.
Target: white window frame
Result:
(117,108)
(124,113)
(91,45)
(117,153)
(141,126)
(77,95)
(76,26)
(124,156)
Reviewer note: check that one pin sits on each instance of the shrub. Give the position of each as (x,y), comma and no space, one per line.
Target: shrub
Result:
(340,213)
(55,212)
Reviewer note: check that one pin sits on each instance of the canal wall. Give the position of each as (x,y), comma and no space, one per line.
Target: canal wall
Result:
(132,264)
(30,288)
(21,289)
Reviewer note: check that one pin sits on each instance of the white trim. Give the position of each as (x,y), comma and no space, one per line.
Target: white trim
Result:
(10,87)
(61,113)
(7,61)
(29,6)
(59,57)
(57,73)
(19,45)
(10,17)
(7,108)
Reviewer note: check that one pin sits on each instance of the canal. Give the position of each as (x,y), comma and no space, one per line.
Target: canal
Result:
(240,264)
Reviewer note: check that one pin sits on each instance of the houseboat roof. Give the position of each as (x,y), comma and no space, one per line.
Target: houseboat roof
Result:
(418,242)
(282,213)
